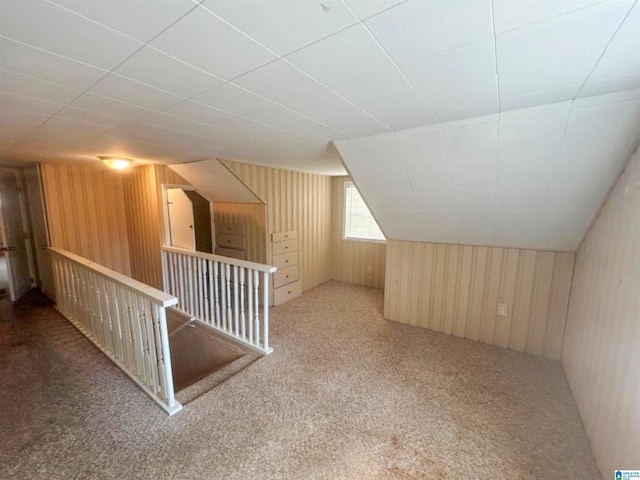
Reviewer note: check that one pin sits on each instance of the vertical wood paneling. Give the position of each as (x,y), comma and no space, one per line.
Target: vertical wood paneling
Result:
(295,201)
(145,219)
(143,223)
(86,213)
(253,216)
(456,288)
(362,263)
(601,354)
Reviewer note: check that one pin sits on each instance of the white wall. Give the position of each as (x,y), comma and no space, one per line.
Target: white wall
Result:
(601,354)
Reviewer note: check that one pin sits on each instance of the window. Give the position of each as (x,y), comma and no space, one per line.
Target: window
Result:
(359,224)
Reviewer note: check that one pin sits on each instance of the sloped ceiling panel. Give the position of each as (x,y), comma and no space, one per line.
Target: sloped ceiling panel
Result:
(216,182)
(528,178)
(274,82)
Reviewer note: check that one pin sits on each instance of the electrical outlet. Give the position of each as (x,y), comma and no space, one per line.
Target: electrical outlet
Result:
(369,269)
(503,310)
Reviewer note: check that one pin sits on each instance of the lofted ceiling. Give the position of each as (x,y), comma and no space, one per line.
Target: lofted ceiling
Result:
(275,81)
(216,182)
(494,122)
(527,178)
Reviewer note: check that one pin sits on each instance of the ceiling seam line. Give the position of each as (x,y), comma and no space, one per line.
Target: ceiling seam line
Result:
(108,72)
(404,76)
(495,60)
(553,17)
(280,57)
(613,36)
(556,163)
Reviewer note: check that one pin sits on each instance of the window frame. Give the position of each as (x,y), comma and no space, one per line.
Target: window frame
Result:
(347,184)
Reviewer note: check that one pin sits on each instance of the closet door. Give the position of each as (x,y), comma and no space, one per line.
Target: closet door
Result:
(15,240)
(37,215)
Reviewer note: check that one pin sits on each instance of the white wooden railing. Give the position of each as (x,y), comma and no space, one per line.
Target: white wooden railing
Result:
(229,295)
(124,318)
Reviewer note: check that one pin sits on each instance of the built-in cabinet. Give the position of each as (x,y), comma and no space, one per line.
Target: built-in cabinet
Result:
(231,240)
(286,281)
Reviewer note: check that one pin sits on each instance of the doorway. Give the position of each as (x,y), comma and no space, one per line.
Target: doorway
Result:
(188,219)
(16,263)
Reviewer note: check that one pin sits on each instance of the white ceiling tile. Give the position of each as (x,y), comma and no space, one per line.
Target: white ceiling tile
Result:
(399,107)
(124,89)
(530,100)
(44,25)
(509,15)
(284,26)
(556,53)
(429,27)
(473,174)
(231,98)
(37,63)
(533,132)
(285,84)
(612,97)
(27,86)
(473,143)
(152,67)
(140,19)
(368,8)
(526,171)
(13,120)
(201,113)
(85,116)
(27,104)
(425,175)
(521,198)
(568,198)
(596,131)
(422,144)
(602,87)
(474,199)
(458,83)
(594,169)
(109,106)
(222,50)
(622,57)
(432,200)
(344,57)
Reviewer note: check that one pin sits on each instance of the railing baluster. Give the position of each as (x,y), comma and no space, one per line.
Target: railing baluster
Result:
(236,310)
(256,293)
(227,272)
(124,318)
(243,291)
(265,311)
(250,302)
(216,293)
(201,289)
(223,293)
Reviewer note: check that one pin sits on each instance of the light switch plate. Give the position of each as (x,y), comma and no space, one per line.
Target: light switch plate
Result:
(503,310)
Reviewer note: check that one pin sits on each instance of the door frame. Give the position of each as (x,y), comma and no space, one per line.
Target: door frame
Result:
(26,232)
(166,234)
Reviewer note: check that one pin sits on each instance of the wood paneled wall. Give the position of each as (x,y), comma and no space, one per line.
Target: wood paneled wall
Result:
(601,355)
(145,219)
(455,289)
(353,261)
(142,206)
(254,217)
(296,201)
(86,213)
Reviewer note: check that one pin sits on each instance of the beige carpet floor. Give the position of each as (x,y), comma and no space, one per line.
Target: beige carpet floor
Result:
(345,395)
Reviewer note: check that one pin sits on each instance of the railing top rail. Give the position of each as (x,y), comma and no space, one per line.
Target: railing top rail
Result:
(142,289)
(219,258)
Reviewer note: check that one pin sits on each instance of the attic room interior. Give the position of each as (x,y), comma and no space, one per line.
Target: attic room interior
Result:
(293,239)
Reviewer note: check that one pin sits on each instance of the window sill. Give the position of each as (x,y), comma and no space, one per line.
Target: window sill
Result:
(363,240)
